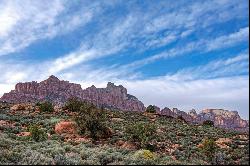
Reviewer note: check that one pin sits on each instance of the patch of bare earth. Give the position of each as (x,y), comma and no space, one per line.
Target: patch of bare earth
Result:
(222,142)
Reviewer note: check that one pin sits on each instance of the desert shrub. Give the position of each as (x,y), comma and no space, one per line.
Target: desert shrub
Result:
(208,123)
(37,134)
(141,157)
(209,148)
(9,156)
(141,132)
(91,119)
(38,103)
(73,104)
(146,154)
(46,107)
(68,159)
(31,157)
(219,158)
(4,117)
(109,157)
(11,129)
(57,137)
(151,109)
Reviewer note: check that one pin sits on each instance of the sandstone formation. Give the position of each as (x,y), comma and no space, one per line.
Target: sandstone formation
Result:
(221,118)
(59,91)
(168,112)
(175,112)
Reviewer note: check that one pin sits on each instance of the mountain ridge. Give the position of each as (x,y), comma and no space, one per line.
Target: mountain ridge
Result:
(59,91)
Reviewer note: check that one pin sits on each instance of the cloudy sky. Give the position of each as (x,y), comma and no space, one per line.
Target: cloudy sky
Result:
(184,54)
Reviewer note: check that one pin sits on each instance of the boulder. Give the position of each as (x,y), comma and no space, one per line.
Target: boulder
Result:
(65,127)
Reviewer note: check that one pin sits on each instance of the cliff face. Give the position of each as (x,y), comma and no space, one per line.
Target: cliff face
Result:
(59,91)
(221,118)
(114,96)
(224,118)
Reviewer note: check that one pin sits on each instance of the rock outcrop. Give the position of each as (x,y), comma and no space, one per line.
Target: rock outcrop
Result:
(59,91)
(223,118)
(167,112)
(67,127)
(175,113)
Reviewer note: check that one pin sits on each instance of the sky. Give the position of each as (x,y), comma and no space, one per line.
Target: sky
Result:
(184,54)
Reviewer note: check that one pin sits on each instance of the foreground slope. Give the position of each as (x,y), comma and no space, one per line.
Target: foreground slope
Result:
(175,141)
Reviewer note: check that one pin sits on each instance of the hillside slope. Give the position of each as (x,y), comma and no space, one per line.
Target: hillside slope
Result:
(174,141)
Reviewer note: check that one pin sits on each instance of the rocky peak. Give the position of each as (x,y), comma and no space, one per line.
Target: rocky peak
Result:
(166,109)
(117,90)
(192,112)
(176,110)
(221,112)
(52,78)
(224,118)
(92,88)
(157,109)
(168,112)
(112,87)
(59,91)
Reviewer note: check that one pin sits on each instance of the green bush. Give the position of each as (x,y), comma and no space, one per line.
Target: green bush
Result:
(75,159)
(180,118)
(74,104)
(151,109)
(219,159)
(145,154)
(141,132)
(208,123)
(46,107)
(37,104)
(91,119)
(37,134)
(32,157)
(209,148)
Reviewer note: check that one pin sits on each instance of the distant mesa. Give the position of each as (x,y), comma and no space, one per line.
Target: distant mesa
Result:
(59,91)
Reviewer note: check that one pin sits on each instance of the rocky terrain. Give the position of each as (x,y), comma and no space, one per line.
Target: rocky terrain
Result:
(59,91)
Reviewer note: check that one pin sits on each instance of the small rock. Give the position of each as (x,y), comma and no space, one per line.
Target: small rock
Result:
(129,145)
(119,143)
(24,134)
(117,119)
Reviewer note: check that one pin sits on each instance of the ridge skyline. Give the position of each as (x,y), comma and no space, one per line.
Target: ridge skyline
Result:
(55,78)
